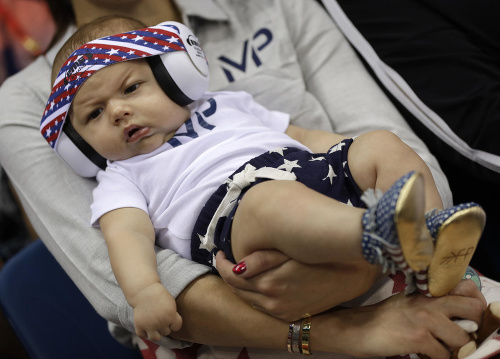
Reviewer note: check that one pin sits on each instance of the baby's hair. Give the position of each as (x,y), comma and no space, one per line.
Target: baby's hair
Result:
(100,27)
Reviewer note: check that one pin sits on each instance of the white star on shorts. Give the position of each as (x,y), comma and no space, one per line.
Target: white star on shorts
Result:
(321,158)
(278,150)
(289,165)
(337,147)
(331,174)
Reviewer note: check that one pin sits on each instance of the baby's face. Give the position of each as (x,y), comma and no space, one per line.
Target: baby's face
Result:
(122,112)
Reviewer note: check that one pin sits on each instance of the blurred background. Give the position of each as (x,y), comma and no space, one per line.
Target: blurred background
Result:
(26,29)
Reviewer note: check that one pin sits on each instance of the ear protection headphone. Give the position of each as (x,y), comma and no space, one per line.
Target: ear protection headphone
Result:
(174,55)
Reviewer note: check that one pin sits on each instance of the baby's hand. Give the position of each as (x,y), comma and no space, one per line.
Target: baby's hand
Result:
(155,313)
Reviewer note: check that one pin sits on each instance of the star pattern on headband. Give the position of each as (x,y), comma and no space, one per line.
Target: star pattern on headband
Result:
(95,55)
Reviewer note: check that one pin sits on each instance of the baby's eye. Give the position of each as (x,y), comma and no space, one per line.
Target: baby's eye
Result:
(94,114)
(131,88)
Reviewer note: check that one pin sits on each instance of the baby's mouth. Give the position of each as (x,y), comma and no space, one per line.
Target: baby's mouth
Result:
(133,133)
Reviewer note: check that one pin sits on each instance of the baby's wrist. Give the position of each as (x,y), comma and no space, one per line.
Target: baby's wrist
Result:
(147,292)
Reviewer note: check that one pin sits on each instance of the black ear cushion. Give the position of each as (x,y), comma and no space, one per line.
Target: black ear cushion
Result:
(83,146)
(166,82)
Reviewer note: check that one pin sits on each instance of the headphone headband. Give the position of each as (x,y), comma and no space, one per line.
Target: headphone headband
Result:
(188,75)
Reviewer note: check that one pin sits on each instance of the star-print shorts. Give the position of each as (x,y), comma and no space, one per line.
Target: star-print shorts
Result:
(327,173)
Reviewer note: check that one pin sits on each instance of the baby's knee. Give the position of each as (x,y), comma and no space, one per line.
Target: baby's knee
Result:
(380,138)
(383,143)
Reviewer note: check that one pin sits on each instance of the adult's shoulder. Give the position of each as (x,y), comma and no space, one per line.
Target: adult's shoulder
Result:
(26,91)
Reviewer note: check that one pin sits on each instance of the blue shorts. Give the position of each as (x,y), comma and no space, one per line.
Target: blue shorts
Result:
(327,173)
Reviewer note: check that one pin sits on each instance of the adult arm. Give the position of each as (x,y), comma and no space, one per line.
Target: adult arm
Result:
(411,323)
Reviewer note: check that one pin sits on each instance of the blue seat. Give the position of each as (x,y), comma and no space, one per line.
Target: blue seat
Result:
(49,314)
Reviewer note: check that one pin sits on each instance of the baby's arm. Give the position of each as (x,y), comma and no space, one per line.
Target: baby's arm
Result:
(130,238)
(316,140)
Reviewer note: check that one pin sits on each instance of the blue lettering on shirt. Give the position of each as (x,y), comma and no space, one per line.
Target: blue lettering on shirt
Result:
(190,131)
(261,39)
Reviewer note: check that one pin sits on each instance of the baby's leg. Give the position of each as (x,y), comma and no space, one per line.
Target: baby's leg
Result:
(300,222)
(314,228)
(377,159)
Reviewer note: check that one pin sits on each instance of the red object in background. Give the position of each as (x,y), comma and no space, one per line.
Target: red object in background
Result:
(26,28)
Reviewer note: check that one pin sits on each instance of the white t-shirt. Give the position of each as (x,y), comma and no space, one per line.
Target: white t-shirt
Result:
(171,184)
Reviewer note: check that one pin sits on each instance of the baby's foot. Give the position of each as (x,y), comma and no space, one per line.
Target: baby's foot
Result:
(456,232)
(395,233)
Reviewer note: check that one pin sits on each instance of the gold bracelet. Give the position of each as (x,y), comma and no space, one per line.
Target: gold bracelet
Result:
(306,327)
(296,337)
(293,343)
(289,338)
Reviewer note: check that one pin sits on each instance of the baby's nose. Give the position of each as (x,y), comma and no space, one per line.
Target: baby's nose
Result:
(121,113)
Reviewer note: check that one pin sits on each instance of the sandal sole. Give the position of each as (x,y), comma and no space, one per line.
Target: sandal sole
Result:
(414,238)
(455,244)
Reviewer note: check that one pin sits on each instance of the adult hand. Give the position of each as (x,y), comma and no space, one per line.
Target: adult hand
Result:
(288,290)
(400,325)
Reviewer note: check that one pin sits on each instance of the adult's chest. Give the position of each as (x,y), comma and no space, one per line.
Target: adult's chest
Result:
(254,53)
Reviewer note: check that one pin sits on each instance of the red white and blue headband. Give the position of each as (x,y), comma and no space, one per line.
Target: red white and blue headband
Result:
(177,60)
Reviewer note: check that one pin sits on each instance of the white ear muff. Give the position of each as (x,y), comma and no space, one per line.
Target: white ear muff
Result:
(75,158)
(183,75)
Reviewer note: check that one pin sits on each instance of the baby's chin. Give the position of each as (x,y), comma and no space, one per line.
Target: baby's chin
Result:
(151,147)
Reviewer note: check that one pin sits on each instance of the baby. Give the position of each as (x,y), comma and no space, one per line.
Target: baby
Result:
(216,171)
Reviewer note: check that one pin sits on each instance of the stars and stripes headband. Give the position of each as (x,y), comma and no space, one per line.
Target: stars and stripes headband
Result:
(180,68)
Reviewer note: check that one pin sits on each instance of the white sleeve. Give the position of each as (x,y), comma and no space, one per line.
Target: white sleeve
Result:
(112,192)
(336,77)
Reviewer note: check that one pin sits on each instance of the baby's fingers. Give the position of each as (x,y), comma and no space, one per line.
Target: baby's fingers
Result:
(176,323)
(141,333)
(153,335)
(173,326)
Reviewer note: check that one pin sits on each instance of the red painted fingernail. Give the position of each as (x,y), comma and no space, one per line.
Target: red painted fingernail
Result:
(240,268)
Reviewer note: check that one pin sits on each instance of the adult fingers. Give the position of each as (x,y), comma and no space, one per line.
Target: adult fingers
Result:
(463,307)
(452,306)
(436,314)
(448,332)
(225,269)
(268,260)
(428,322)
(256,263)
(467,288)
